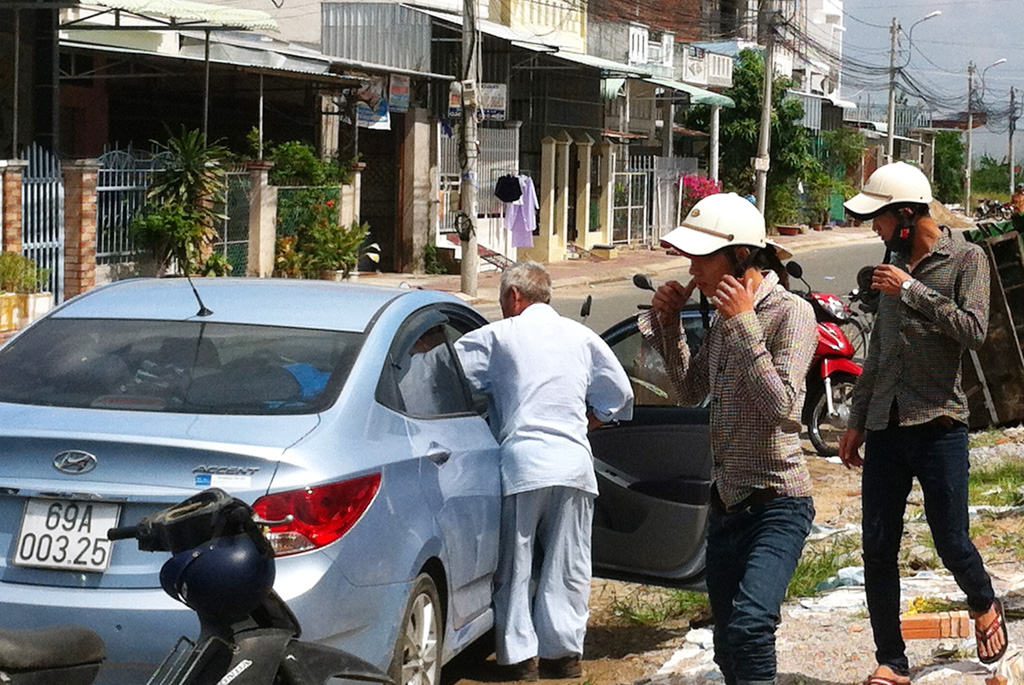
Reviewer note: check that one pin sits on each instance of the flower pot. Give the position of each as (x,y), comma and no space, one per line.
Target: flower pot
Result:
(788,230)
(338,275)
(37,304)
(11,310)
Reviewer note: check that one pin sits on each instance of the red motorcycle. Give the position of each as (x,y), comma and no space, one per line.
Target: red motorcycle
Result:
(832,375)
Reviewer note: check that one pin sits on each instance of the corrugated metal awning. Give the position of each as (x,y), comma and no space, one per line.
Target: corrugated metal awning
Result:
(698,96)
(182,14)
(490,28)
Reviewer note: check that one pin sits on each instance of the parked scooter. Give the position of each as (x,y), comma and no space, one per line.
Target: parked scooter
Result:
(223,569)
(832,375)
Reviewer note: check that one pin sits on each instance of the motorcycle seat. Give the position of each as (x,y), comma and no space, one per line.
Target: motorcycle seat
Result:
(52,647)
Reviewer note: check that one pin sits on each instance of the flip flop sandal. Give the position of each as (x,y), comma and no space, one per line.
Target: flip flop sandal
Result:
(998,624)
(884,680)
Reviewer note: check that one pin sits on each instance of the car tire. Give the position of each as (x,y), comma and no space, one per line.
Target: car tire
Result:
(823,430)
(416,659)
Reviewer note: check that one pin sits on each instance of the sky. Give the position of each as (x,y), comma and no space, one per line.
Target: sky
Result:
(982,31)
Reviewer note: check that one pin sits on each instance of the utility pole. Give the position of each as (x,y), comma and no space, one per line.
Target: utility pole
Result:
(761,162)
(894,32)
(468,153)
(970,129)
(1013,129)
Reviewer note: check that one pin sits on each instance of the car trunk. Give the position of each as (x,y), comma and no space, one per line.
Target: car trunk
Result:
(117,467)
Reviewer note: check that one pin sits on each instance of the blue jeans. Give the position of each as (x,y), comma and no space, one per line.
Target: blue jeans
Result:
(937,456)
(751,556)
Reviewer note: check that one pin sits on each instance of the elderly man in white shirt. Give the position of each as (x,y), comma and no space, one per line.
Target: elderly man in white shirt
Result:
(549,379)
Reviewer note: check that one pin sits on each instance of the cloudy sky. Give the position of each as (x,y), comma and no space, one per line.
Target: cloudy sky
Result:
(982,31)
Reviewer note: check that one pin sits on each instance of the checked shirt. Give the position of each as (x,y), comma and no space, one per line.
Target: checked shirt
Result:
(920,335)
(754,366)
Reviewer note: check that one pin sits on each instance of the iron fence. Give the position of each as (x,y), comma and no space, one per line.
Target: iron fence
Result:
(42,212)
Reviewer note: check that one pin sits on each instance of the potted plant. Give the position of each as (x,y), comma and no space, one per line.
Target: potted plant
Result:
(21,282)
(334,250)
(819,186)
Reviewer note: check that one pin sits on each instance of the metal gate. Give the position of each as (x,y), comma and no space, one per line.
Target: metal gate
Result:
(42,216)
(499,155)
(121,186)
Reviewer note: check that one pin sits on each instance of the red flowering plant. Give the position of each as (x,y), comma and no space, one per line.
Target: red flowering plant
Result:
(696,188)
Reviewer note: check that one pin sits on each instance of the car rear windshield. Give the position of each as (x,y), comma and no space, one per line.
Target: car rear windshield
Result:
(176,366)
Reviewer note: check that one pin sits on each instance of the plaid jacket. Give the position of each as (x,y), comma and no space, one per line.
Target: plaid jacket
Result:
(920,335)
(754,366)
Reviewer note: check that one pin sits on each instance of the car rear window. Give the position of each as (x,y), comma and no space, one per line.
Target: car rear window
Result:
(176,366)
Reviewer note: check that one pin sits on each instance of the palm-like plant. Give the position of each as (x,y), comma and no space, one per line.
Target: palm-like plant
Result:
(179,218)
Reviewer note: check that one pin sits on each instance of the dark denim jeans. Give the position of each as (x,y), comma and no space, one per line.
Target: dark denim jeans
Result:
(937,456)
(751,556)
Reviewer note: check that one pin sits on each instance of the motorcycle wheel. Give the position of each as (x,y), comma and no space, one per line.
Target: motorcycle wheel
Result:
(857,333)
(417,655)
(823,430)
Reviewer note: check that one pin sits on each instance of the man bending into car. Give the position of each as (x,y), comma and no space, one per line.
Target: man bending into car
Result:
(752,362)
(541,373)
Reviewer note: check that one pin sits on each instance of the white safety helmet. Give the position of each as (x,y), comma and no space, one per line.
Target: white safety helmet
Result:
(715,222)
(891,184)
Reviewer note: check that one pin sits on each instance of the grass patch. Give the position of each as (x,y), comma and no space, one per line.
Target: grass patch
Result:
(984,438)
(648,606)
(820,561)
(998,484)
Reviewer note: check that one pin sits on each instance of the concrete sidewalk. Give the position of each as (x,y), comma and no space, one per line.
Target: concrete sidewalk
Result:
(582,272)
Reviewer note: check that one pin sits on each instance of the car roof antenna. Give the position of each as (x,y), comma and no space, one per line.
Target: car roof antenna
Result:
(203,311)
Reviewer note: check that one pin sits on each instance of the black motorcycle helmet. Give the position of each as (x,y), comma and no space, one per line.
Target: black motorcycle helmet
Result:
(224,579)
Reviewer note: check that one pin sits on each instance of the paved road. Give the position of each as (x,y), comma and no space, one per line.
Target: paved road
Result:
(830,269)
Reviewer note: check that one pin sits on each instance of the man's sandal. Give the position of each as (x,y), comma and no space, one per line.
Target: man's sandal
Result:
(997,625)
(894,679)
(884,680)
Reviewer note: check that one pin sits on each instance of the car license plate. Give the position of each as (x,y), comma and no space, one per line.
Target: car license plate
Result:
(66,534)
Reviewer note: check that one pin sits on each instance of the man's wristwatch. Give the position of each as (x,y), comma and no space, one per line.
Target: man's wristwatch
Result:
(905,285)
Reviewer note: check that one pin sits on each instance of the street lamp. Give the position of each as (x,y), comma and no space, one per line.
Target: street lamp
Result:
(970,125)
(894,35)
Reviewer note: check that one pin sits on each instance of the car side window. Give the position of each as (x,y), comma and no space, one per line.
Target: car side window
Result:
(429,379)
(646,367)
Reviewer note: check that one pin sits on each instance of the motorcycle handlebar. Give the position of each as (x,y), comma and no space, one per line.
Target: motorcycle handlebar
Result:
(123,533)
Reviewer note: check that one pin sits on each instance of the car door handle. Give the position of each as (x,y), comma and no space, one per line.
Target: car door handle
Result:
(439,457)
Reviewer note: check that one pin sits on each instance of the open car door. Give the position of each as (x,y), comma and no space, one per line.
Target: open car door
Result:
(654,473)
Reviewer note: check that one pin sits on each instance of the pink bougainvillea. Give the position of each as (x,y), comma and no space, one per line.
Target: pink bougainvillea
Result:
(696,188)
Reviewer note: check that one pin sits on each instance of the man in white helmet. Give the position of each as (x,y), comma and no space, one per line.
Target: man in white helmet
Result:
(753,363)
(910,409)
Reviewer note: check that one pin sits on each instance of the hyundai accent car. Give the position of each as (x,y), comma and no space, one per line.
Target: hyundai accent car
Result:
(311,401)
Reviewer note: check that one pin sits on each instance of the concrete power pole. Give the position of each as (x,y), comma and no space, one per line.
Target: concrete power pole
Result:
(890,135)
(1013,129)
(468,152)
(761,162)
(970,129)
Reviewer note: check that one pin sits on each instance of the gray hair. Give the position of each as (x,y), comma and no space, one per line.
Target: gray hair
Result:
(530,279)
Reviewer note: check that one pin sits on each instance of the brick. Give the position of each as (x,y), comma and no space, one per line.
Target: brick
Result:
(936,625)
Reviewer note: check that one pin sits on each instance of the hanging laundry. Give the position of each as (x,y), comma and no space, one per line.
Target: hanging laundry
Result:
(508,189)
(521,215)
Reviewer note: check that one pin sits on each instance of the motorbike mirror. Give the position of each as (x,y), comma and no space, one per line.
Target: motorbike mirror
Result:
(585,309)
(643,281)
(794,269)
(864,278)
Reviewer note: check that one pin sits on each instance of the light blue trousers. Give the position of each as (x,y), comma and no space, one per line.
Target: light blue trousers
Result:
(545,538)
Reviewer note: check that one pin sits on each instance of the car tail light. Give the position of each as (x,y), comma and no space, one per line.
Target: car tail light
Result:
(320,515)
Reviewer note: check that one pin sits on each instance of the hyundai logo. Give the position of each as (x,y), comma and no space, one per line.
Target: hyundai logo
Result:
(75,462)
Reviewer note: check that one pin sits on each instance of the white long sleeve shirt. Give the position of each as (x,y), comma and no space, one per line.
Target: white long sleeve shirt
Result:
(541,372)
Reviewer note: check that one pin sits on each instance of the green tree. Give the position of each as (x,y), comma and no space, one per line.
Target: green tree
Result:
(949,165)
(990,176)
(790,153)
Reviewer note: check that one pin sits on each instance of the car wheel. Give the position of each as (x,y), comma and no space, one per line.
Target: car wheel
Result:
(417,654)
(823,429)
